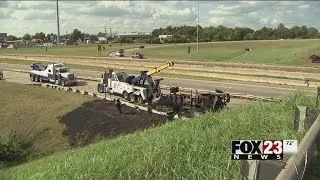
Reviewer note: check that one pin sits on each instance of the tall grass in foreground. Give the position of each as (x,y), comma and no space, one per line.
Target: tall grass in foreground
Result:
(184,149)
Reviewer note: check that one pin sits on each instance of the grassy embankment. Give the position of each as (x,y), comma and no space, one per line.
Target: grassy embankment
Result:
(287,52)
(34,113)
(290,52)
(187,149)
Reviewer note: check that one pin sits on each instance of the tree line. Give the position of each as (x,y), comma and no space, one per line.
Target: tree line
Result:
(222,33)
(183,34)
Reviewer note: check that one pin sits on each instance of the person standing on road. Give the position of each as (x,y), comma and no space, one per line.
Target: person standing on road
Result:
(118,106)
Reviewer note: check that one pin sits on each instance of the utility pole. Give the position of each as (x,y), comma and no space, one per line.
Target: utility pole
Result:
(105,32)
(198,30)
(58,36)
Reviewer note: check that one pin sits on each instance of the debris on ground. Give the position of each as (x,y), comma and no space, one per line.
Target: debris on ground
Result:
(98,119)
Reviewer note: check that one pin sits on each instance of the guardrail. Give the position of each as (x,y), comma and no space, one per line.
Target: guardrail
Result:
(295,168)
(299,162)
(183,90)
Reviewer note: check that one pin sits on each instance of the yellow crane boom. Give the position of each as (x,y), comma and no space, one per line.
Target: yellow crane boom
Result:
(160,68)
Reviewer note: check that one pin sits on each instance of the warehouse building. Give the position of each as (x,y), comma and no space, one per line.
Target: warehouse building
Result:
(134,35)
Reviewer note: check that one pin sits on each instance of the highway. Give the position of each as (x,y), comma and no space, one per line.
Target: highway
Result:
(243,88)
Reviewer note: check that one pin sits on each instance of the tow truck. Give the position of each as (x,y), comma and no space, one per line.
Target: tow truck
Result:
(54,73)
(139,89)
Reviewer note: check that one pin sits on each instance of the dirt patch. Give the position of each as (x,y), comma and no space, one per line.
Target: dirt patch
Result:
(99,119)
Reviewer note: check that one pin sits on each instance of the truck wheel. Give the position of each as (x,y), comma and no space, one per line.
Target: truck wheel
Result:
(125,95)
(31,77)
(36,78)
(132,97)
(140,100)
(100,88)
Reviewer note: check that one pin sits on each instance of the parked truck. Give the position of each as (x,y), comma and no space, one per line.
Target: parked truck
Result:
(54,73)
(139,89)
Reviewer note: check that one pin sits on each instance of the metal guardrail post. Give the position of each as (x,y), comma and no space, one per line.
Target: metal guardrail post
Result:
(318,95)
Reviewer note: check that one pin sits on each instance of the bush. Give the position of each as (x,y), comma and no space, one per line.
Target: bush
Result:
(12,150)
(155,40)
(69,42)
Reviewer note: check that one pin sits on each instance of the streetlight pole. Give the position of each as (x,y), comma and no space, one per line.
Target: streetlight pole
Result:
(58,26)
(198,30)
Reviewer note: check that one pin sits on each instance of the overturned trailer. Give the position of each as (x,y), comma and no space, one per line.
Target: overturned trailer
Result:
(187,103)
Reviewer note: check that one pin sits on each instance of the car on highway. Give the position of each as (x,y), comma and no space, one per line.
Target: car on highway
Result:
(119,54)
(137,56)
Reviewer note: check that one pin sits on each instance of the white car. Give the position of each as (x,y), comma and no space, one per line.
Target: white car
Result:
(120,54)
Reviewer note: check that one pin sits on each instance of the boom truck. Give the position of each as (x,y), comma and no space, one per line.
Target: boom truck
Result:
(139,89)
(54,73)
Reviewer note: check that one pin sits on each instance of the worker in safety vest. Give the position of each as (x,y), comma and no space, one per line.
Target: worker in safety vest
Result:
(118,106)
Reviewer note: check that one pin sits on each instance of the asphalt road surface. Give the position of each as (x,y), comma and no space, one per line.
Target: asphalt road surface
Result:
(252,89)
(91,86)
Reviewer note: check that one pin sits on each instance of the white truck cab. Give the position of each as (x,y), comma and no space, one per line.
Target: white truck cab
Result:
(61,76)
(116,84)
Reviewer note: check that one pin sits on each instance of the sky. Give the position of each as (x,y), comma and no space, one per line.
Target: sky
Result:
(20,17)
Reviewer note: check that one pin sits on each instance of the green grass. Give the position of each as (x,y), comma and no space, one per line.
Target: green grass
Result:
(73,50)
(293,52)
(34,113)
(184,149)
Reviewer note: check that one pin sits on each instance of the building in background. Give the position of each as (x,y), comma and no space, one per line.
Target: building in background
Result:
(134,35)
(3,40)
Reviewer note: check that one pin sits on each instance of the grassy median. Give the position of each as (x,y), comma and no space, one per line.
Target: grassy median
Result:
(186,149)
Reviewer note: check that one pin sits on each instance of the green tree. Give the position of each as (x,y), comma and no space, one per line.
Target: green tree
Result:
(26,37)
(12,38)
(40,35)
(100,34)
(76,35)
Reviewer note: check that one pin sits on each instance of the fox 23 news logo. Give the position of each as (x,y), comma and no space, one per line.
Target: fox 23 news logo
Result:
(257,149)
